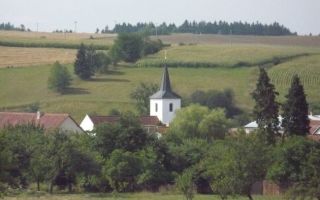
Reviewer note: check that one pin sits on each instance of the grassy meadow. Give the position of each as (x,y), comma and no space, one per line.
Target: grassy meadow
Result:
(24,71)
(132,196)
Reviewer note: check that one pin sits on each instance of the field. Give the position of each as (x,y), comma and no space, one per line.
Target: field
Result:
(26,81)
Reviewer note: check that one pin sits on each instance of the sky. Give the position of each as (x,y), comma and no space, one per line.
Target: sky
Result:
(301,16)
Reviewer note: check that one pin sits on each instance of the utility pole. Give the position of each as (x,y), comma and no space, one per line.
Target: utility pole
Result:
(75,26)
(37,27)
(156,29)
(230,37)
(115,26)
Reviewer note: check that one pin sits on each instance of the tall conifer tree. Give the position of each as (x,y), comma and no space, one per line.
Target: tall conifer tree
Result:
(295,110)
(266,108)
(82,66)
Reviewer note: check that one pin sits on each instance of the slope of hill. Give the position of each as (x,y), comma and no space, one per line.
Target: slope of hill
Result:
(21,86)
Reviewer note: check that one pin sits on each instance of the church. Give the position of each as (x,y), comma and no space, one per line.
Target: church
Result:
(163,105)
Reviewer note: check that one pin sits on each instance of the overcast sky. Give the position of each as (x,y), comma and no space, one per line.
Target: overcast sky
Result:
(302,16)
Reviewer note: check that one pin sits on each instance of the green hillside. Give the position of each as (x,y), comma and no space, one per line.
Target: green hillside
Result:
(21,86)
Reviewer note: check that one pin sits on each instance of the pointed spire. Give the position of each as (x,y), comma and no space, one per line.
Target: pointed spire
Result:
(165,83)
(165,91)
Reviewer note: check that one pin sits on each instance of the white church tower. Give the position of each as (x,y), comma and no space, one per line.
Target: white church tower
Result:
(165,102)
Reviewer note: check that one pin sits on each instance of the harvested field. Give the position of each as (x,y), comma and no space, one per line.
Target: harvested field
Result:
(16,56)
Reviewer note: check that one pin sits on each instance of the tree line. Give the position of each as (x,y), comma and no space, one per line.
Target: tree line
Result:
(10,27)
(203,27)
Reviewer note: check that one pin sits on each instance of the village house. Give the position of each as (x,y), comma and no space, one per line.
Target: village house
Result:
(314,132)
(48,121)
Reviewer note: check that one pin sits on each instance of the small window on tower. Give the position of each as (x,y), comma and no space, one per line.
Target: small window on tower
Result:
(170,107)
(156,107)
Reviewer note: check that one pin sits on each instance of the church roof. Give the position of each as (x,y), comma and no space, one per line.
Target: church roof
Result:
(165,91)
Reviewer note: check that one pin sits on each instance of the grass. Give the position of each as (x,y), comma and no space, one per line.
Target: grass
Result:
(132,196)
(21,86)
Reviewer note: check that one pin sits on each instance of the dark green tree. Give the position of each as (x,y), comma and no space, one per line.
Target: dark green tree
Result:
(289,158)
(128,46)
(295,110)
(266,108)
(59,78)
(83,65)
(141,95)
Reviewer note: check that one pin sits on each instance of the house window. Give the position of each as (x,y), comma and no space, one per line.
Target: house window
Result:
(156,107)
(170,107)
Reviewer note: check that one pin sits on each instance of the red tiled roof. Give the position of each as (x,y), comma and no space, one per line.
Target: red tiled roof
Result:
(49,121)
(145,120)
(149,120)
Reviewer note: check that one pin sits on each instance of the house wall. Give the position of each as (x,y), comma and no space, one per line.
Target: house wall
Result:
(163,112)
(70,125)
(87,124)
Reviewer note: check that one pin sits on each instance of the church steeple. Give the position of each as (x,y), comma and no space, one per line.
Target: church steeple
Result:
(165,102)
(165,91)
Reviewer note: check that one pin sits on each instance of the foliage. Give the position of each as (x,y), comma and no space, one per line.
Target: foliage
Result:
(266,108)
(59,78)
(83,64)
(185,184)
(141,95)
(215,99)
(221,27)
(237,163)
(289,157)
(101,62)
(295,110)
(308,184)
(127,134)
(197,121)
(128,47)
(151,46)
(121,169)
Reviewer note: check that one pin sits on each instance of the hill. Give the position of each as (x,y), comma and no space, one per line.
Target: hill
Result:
(21,86)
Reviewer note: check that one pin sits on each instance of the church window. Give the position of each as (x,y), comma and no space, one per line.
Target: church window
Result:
(156,107)
(170,107)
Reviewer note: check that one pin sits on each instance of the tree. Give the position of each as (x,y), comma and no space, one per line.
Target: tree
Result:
(141,95)
(200,122)
(215,99)
(83,65)
(266,108)
(59,78)
(309,183)
(185,183)
(128,46)
(295,110)
(101,62)
(236,163)
(127,134)
(122,168)
(289,158)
